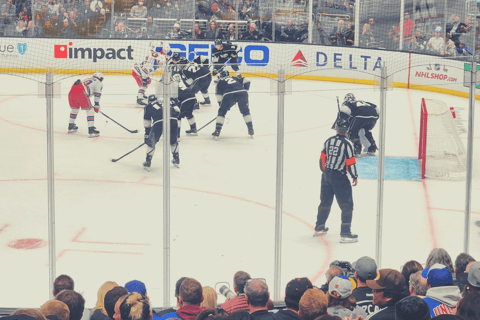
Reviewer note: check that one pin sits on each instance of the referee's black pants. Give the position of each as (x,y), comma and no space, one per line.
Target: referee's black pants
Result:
(334,183)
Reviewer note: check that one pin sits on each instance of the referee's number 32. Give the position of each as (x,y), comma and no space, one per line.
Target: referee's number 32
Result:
(333,151)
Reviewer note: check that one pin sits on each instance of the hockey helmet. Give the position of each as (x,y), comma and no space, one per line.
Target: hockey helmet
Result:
(341,125)
(218,42)
(165,48)
(223,74)
(178,58)
(154,45)
(152,98)
(98,75)
(349,97)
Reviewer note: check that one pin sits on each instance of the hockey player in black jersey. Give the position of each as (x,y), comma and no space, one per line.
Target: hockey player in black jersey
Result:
(153,123)
(229,91)
(361,115)
(195,76)
(222,53)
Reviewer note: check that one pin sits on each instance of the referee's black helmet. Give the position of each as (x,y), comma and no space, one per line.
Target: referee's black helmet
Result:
(341,125)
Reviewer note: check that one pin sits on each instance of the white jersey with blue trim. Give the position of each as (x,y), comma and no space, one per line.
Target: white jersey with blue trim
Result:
(152,62)
(93,87)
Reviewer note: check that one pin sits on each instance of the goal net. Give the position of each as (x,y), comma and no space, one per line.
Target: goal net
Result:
(442,154)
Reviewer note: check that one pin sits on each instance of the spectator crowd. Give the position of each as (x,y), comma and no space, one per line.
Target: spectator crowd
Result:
(219,19)
(441,289)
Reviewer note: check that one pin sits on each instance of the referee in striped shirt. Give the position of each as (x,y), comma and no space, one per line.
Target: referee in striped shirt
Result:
(336,159)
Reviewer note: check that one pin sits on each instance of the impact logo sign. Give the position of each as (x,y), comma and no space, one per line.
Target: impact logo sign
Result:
(63,51)
(299,60)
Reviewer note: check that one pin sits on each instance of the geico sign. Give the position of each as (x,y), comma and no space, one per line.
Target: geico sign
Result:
(62,51)
(348,61)
(252,55)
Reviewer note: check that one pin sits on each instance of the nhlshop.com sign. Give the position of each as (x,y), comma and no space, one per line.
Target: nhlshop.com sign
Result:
(63,51)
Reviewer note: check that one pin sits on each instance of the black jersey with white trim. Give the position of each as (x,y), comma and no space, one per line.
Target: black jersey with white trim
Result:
(229,85)
(220,57)
(193,72)
(359,109)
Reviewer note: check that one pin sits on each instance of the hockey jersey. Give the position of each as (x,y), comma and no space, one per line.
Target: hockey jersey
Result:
(192,73)
(358,109)
(153,113)
(93,87)
(202,61)
(229,85)
(147,67)
(221,57)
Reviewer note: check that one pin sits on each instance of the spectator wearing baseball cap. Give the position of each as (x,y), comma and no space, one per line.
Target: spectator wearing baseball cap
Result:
(387,290)
(412,308)
(442,294)
(365,269)
(136,286)
(293,293)
(473,279)
(331,273)
(340,300)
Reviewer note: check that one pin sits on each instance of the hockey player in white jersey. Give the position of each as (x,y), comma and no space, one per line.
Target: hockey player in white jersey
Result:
(79,97)
(143,71)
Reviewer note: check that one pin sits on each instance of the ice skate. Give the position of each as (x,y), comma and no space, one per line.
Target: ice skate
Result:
(93,132)
(250,132)
(176,160)
(140,103)
(348,238)
(320,232)
(206,102)
(147,163)
(371,150)
(192,131)
(72,128)
(216,134)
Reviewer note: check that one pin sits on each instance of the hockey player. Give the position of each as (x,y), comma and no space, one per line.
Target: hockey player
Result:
(195,76)
(153,123)
(79,97)
(360,115)
(143,71)
(222,53)
(229,91)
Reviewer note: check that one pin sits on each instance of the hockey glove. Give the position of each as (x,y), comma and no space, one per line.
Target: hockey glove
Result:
(174,112)
(148,141)
(96,107)
(214,72)
(145,82)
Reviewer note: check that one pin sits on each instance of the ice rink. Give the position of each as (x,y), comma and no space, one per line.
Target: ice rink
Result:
(109,220)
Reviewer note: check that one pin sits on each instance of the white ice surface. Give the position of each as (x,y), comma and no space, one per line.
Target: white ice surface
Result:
(108,216)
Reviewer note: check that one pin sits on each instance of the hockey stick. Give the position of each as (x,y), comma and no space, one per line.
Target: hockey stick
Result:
(131,131)
(126,154)
(338,114)
(207,124)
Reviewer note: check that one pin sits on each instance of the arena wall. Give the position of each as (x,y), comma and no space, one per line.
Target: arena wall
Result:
(257,59)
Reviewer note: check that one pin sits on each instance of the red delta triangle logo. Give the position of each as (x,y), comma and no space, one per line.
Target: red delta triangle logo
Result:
(299,60)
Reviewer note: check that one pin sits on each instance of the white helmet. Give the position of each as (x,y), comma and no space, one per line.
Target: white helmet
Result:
(153,46)
(98,75)
(165,48)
